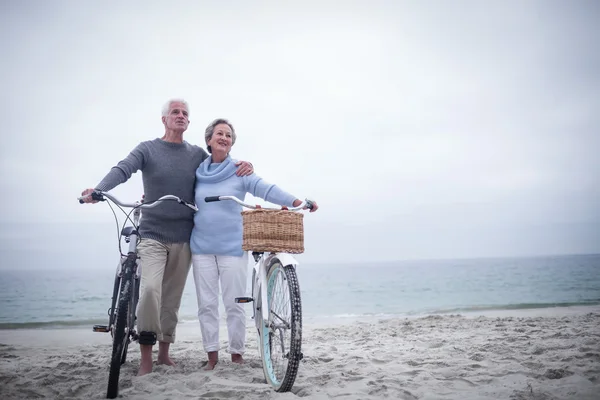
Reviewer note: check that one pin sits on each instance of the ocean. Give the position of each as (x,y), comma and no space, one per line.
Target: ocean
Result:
(70,298)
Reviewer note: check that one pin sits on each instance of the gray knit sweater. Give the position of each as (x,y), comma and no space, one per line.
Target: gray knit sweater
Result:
(167,168)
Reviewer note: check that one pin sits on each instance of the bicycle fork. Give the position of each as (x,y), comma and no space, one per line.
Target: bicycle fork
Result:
(131,238)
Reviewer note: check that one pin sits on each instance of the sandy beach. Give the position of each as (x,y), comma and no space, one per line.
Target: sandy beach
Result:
(543,354)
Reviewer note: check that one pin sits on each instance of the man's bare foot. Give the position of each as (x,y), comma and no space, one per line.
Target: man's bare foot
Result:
(237,358)
(145,360)
(165,361)
(163,354)
(145,368)
(213,359)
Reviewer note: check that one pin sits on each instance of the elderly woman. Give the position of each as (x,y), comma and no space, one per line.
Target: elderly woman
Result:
(216,241)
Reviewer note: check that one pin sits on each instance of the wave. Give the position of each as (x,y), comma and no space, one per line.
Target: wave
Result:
(53,324)
(515,306)
(454,310)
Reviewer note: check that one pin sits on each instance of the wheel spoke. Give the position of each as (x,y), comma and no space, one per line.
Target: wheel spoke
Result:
(286,324)
(282,343)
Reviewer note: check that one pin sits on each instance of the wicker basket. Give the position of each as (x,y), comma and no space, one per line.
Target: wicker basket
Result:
(273,231)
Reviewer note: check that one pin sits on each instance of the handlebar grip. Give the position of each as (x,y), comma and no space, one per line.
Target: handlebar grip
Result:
(210,199)
(95,196)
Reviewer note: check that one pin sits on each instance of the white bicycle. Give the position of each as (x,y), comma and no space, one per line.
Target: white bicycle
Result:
(277,308)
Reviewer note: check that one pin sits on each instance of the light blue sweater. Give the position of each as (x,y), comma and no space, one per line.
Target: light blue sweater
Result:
(218,226)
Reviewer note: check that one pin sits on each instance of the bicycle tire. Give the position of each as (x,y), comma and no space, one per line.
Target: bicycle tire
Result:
(131,320)
(113,300)
(121,334)
(284,329)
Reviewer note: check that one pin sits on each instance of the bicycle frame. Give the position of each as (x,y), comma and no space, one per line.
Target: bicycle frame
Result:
(131,236)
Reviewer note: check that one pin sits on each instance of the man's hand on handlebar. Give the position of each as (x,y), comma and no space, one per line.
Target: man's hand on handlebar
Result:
(86,196)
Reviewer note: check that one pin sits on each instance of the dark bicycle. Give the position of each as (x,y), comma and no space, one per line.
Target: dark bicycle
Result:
(121,314)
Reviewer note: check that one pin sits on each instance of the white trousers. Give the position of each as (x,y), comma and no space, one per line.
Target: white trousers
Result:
(231,272)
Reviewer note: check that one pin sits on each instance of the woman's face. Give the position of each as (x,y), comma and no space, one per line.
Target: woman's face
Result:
(221,139)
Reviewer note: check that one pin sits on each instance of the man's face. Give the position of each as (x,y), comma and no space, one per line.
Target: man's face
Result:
(177,118)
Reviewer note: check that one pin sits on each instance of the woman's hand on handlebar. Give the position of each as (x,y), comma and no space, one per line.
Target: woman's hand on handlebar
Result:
(314,204)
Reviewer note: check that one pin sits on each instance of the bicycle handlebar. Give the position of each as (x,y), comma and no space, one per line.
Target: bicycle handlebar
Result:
(95,196)
(100,196)
(306,203)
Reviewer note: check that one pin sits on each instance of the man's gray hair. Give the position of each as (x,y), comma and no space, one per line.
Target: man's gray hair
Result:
(210,129)
(167,106)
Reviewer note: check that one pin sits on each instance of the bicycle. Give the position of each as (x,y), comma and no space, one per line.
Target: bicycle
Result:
(121,314)
(275,287)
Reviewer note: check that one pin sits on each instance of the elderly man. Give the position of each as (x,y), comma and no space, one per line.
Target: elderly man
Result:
(168,166)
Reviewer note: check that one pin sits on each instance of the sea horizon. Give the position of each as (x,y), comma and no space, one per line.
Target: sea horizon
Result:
(340,292)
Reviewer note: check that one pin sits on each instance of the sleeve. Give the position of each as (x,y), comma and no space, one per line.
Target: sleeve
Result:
(121,172)
(258,187)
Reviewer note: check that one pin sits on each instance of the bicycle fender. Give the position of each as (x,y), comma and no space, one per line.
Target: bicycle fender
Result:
(286,259)
(263,293)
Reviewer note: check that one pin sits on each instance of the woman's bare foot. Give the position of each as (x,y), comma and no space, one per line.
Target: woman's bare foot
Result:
(213,359)
(237,358)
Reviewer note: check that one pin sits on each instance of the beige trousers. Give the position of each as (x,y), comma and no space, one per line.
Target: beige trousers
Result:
(164,271)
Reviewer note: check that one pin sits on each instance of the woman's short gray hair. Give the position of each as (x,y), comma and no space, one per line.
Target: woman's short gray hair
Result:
(167,106)
(210,129)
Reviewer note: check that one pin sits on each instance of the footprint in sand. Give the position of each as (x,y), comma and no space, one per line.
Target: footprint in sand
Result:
(379,361)
(325,359)
(224,394)
(411,373)
(302,391)
(436,345)
(537,350)
(352,376)
(557,373)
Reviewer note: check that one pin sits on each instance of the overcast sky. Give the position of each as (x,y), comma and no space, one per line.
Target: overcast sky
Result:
(424,129)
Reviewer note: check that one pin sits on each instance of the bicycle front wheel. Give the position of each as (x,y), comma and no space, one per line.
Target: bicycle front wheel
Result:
(281,336)
(121,330)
